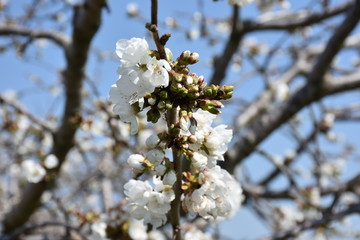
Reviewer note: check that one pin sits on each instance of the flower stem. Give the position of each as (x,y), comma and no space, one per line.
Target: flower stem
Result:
(154,29)
(172,117)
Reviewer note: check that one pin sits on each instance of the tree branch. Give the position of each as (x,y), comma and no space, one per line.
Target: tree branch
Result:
(86,22)
(295,20)
(58,38)
(44,125)
(316,89)
(232,45)
(355,208)
(247,26)
(27,228)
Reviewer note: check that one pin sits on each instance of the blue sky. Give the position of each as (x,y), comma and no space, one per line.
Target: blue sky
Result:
(16,73)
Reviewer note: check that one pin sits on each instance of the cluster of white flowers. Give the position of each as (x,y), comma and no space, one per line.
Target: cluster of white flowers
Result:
(98,230)
(138,231)
(211,143)
(195,233)
(148,203)
(33,171)
(218,197)
(144,81)
(286,217)
(139,74)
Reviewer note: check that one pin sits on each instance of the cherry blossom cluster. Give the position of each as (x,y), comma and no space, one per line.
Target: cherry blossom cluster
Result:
(156,86)
(35,172)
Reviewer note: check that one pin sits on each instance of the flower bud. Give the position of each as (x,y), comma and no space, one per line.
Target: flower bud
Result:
(211,91)
(164,95)
(164,38)
(168,105)
(185,54)
(187,58)
(174,131)
(152,100)
(225,92)
(210,105)
(192,139)
(194,58)
(187,80)
(161,105)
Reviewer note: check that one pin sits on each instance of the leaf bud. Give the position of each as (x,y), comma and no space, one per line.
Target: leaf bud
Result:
(153,115)
(164,38)
(164,95)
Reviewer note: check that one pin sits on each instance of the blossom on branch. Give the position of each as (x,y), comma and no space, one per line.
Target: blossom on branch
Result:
(219,196)
(139,74)
(33,171)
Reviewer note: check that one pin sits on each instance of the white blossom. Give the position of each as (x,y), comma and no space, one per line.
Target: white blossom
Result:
(98,230)
(211,143)
(152,141)
(132,9)
(147,203)
(216,142)
(193,34)
(170,22)
(137,229)
(51,161)
(198,160)
(156,72)
(155,156)
(169,178)
(282,92)
(328,120)
(33,171)
(131,51)
(195,233)
(123,107)
(286,217)
(156,235)
(138,74)
(160,170)
(219,196)
(136,162)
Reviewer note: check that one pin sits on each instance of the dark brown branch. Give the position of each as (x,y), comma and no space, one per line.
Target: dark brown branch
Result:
(221,62)
(44,125)
(355,208)
(292,21)
(302,146)
(247,26)
(154,29)
(259,191)
(57,37)
(316,89)
(28,228)
(86,22)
